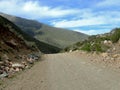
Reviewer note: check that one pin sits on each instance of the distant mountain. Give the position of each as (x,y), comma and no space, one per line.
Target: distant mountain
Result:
(11,34)
(48,34)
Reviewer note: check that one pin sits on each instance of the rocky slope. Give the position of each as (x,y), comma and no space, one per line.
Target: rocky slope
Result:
(17,49)
(43,47)
(51,35)
(97,43)
(101,49)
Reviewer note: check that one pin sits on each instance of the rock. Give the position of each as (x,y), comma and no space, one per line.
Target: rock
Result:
(3,75)
(1,63)
(108,51)
(114,49)
(15,65)
(7,69)
(70,51)
(17,69)
(11,70)
(30,61)
(112,59)
(107,42)
(32,57)
(13,42)
(116,55)
(107,58)
(26,66)
(5,57)
(105,55)
(119,42)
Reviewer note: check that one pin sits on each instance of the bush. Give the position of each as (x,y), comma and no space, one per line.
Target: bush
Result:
(96,47)
(116,35)
(86,47)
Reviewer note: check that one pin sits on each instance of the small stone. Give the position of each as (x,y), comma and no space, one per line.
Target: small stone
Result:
(5,57)
(41,81)
(104,54)
(3,75)
(17,69)
(11,70)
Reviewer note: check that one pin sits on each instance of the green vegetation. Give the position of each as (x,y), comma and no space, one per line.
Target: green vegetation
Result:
(116,35)
(86,47)
(96,42)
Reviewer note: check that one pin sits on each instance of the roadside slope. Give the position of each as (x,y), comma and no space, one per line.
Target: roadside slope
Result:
(67,71)
(29,40)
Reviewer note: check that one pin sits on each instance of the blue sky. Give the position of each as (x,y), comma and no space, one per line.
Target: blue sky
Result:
(87,16)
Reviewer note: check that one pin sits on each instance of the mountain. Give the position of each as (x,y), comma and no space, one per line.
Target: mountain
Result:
(48,34)
(11,44)
(16,33)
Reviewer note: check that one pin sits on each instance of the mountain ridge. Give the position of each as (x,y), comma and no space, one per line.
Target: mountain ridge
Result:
(54,36)
(43,47)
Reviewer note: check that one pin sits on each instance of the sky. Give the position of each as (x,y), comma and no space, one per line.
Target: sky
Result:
(87,16)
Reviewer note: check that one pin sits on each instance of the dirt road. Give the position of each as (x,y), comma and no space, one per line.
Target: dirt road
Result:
(66,72)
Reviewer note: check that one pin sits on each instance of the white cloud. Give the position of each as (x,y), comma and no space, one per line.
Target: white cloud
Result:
(44,11)
(93,32)
(68,18)
(107,3)
(33,9)
(91,19)
(80,22)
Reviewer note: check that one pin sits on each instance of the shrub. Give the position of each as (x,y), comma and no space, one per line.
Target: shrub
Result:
(96,47)
(86,47)
(116,35)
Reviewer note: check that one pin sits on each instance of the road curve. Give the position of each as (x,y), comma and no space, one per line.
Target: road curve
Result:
(66,71)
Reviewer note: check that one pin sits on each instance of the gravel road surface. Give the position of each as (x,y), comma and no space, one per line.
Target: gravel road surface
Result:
(66,71)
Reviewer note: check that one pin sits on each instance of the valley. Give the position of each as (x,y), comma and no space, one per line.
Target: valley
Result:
(36,56)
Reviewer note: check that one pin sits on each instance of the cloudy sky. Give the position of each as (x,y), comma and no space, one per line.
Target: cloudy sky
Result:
(87,16)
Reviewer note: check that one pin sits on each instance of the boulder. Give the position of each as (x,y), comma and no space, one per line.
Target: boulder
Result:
(17,65)
(107,42)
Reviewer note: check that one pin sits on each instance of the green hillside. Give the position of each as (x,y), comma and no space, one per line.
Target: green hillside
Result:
(98,43)
(48,34)
(30,41)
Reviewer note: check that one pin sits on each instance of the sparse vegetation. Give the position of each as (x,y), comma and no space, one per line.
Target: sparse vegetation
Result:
(30,41)
(96,42)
